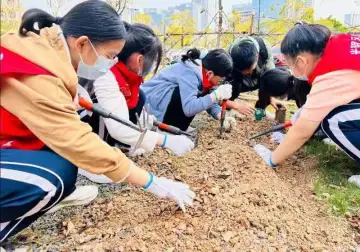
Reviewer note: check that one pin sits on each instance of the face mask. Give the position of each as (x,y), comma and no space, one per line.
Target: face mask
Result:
(101,66)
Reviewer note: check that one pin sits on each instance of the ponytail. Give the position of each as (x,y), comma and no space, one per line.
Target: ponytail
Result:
(192,55)
(39,17)
(93,18)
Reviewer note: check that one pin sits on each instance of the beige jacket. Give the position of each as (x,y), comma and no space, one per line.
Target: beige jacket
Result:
(45,105)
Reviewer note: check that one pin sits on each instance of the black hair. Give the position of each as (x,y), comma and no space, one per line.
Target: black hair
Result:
(93,18)
(303,37)
(142,39)
(192,55)
(279,82)
(243,55)
(218,61)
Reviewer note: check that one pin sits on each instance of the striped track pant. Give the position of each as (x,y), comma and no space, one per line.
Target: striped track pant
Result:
(342,125)
(31,183)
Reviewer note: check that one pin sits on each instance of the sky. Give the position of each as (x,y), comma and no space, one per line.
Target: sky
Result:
(323,8)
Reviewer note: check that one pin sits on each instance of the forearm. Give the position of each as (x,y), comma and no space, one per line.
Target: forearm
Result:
(292,143)
(138,176)
(297,136)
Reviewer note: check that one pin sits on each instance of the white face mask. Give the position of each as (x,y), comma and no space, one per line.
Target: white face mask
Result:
(101,66)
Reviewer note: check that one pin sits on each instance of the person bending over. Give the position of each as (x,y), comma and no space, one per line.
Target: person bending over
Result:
(181,91)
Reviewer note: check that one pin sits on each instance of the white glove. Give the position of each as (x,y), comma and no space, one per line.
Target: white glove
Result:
(296,116)
(264,153)
(277,137)
(229,123)
(149,120)
(223,92)
(166,188)
(134,153)
(83,94)
(178,144)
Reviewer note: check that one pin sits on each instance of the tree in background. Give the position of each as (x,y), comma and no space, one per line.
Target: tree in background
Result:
(292,12)
(181,23)
(55,6)
(142,18)
(11,12)
(333,24)
(119,5)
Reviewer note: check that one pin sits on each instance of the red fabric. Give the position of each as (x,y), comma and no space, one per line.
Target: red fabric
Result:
(129,83)
(206,83)
(13,133)
(342,52)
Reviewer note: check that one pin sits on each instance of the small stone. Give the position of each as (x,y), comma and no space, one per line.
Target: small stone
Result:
(325,195)
(227,236)
(348,215)
(190,230)
(182,226)
(214,190)
(262,235)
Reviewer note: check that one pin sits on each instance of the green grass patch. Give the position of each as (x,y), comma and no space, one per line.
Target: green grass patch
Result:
(332,185)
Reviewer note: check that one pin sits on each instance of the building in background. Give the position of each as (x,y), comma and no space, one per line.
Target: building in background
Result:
(247,11)
(352,19)
(269,9)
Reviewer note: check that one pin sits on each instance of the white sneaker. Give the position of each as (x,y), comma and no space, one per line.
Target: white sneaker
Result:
(355,180)
(100,179)
(83,195)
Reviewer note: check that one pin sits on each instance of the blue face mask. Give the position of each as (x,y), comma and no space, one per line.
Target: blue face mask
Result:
(101,66)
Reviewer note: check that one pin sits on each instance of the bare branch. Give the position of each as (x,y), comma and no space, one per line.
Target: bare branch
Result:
(55,6)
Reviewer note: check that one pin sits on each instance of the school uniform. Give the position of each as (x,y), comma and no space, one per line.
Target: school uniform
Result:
(178,93)
(42,140)
(334,98)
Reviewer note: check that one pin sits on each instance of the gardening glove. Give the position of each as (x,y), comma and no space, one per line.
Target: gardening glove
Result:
(229,123)
(169,189)
(136,152)
(180,145)
(223,92)
(277,137)
(149,120)
(85,95)
(296,116)
(265,154)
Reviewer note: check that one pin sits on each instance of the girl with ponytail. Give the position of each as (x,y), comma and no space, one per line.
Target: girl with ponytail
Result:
(188,87)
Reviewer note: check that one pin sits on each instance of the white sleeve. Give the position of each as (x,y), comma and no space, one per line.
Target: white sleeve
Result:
(110,98)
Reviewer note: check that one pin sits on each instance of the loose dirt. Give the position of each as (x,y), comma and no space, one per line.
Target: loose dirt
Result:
(241,205)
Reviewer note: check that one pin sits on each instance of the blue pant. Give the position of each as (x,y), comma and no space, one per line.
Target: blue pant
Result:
(342,125)
(31,183)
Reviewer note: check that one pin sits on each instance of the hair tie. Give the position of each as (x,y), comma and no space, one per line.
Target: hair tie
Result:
(59,20)
(299,23)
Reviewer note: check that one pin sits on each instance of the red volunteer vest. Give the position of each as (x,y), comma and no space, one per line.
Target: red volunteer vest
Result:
(129,83)
(341,52)
(13,133)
